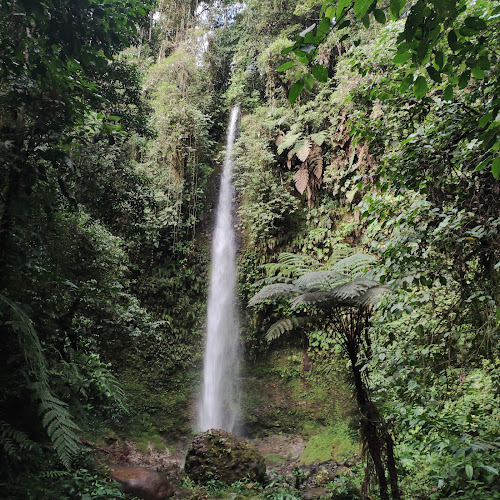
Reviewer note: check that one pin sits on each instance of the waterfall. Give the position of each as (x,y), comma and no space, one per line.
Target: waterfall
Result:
(219,405)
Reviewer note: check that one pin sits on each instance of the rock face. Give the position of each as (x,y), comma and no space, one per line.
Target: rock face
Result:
(217,454)
(143,483)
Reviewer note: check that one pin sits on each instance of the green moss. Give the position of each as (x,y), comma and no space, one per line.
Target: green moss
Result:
(332,443)
(145,443)
(274,458)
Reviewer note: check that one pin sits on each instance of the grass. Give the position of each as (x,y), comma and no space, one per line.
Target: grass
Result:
(274,458)
(331,443)
(145,442)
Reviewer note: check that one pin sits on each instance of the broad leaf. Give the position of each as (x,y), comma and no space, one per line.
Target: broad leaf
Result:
(295,91)
(301,179)
(396,6)
(495,167)
(361,7)
(420,87)
(308,81)
(379,15)
(287,65)
(320,73)
(304,150)
(341,5)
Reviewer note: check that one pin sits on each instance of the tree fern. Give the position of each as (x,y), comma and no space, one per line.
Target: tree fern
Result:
(355,264)
(320,280)
(353,289)
(274,291)
(285,325)
(311,298)
(290,264)
(372,296)
(56,419)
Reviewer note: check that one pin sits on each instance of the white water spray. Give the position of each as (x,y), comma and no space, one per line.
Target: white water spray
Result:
(219,403)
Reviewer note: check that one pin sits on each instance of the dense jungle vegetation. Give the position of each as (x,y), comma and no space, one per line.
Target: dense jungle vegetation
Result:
(368,168)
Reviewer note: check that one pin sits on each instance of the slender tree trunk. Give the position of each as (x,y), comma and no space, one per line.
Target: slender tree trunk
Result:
(391,467)
(369,419)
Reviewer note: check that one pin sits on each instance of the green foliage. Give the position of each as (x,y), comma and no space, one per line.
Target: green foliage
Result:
(443,35)
(331,443)
(55,417)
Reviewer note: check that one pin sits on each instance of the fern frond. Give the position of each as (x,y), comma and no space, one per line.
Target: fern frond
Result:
(290,264)
(288,141)
(15,442)
(56,419)
(295,264)
(285,325)
(301,179)
(320,280)
(28,342)
(319,138)
(353,290)
(372,296)
(274,291)
(355,264)
(302,149)
(311,298)
(59,426)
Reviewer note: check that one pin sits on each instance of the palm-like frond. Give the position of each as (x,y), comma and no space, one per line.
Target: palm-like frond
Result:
(355,264)
(311,298)
(353,289)
(320,280)
(371,296)
(274,291)
(285,325)
(290,264)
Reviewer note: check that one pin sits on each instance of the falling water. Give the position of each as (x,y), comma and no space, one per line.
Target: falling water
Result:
(219,402)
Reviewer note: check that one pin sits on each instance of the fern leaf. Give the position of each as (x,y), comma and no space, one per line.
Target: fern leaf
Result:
(319,138)
(355,264)
(320,280)
(371,296)
(15,442)
(290,264)
(56,418)
(353,290)
(60,427)
(304,150)
(301,179)
(288,141)
(285,325)
(311,298)
(274,291)
(300,262)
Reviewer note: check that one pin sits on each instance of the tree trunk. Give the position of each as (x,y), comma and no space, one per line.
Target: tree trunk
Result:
(369,420)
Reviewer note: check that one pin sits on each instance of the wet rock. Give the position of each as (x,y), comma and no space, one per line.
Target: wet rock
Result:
(217,454)
(314,493)
(324,475)
(143,483)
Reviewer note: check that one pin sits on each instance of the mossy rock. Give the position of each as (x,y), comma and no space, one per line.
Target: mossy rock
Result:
(217,454)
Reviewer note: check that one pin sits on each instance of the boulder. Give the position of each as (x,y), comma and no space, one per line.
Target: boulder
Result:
(143,483)
(217,454)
